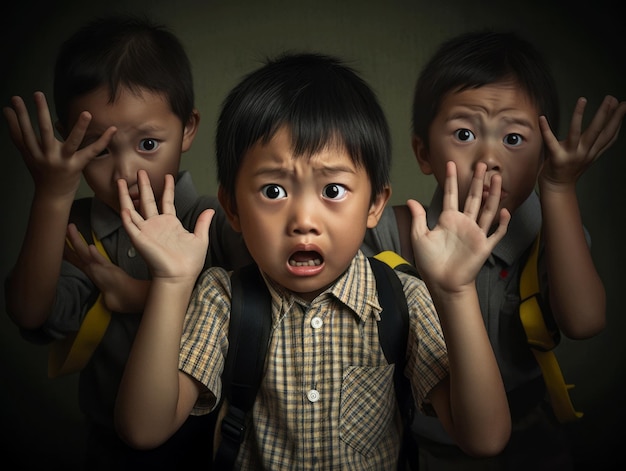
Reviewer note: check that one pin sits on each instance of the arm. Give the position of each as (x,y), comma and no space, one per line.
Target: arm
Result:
(577,295)
(56,169)
(471,403)
(155,398)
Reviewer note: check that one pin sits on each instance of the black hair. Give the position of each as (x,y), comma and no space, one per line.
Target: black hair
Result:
(320,99)
(478,58)
(123,51)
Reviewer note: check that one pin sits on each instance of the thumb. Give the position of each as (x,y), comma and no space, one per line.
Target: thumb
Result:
(203,223)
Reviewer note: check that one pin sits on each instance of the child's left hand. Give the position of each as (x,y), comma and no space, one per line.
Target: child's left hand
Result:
(567,160)
(450,256)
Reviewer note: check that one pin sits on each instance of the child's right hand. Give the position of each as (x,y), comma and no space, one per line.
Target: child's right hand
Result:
(450,255)
(172,253)
(56,166)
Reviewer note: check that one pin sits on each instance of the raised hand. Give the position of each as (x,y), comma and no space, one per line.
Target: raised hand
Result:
(450,255)
(55,165)
(567,160)
(171,252)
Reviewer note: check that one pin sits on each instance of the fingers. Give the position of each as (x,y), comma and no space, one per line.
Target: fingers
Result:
(20,127)
(203,223)
(475,195)
(46,129)
(602,131)
(503,224)
(77,242)
(96,256)
(550,140)
(146,195)
(573,135)
(14,128)
(75,137)
(491,205)
(86,253)
(605,126)
(147,203)
(419,226)
(451,188)
(167,200)
(127,208)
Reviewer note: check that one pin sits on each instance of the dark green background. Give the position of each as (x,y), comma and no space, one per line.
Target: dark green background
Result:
(388,41)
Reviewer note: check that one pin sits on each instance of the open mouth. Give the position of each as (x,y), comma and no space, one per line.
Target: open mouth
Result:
(305,259)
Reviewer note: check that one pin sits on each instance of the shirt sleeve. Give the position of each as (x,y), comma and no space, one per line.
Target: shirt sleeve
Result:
(427,355)
(75,294)
(204,343)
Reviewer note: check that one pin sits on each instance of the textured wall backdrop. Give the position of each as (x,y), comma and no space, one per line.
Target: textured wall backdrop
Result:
(388,41)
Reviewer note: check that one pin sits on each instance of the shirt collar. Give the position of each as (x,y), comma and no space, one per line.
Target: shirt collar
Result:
(355,288)
(523,228)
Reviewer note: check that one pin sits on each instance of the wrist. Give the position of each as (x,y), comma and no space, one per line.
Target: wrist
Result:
(549,187)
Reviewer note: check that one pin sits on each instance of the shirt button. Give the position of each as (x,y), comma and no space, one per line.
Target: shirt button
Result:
(131,252)
(313,395)
(317,322)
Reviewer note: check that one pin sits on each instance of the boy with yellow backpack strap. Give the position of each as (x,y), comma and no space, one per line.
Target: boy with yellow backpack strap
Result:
(116,119)
(488,97)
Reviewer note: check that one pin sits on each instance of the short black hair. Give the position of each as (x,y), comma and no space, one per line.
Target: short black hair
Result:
(320,99)
(123,51)
(478,58)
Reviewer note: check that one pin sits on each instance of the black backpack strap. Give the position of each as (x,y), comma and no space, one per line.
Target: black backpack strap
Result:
(248,337)
(393,331)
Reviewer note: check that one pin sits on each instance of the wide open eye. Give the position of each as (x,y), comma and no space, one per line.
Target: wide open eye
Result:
(148,145)
(464,135)
(273,191)
(334,191)
(513,140)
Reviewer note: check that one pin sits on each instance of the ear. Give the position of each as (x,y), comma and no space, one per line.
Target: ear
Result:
(422,155)
(190,129)
(230,208)
(377,207)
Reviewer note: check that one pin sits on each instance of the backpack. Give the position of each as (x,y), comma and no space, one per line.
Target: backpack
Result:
(543,336)
(249,332)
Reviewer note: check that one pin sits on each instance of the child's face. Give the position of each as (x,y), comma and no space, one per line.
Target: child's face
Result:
(149,136)
(303,219)
(496,124)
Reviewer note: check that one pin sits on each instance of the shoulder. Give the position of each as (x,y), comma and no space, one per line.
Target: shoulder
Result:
(414,287)
(211,298)
(215,279)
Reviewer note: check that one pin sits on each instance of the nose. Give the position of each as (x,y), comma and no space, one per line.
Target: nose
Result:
(303,217)
(490,155)
(124,167)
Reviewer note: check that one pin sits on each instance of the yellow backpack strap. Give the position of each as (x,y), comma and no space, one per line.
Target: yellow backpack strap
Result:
(71,354)
(397,262)
(390,258)
(542,342)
